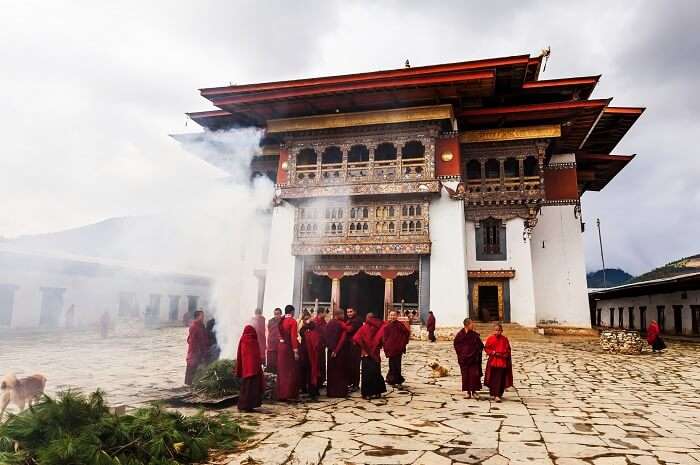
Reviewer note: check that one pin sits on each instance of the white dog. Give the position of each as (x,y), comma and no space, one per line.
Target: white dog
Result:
(20,391)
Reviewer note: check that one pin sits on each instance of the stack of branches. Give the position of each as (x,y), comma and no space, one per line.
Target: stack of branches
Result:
(75,429)
(217,380)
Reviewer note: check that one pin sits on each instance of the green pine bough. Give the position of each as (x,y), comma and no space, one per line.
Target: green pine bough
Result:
(75,429)
(217,380)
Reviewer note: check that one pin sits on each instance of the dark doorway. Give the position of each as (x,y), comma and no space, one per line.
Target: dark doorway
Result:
(406,293)
(643,319)
(316,287)
(51,306)
(7,301)
(364,293)
(678,319)
(695,318)
(173,307)
(488,303)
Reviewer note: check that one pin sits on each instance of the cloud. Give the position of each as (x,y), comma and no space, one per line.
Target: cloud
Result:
(91,90)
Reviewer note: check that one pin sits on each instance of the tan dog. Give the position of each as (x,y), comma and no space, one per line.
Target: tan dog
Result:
(438,370)
(20,391)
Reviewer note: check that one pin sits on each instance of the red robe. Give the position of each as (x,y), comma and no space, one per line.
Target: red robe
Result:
(287,367)
(368,338)
(273,337)
(258,322)
(653,332)
(354,356)
(338,377)
(249,369)
(198,344)
(468,346)
(430,323)
(311,336)
(395,338)
(498,350)
(320,321)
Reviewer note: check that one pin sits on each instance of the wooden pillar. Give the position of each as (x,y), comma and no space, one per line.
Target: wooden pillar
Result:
(335,289)
(389,277)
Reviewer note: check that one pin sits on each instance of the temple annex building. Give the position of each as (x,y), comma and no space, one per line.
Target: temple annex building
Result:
(453,188)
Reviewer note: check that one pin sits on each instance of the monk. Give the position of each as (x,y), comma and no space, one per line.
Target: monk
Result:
(287,387)
(368,340)
(273,337)
(249,370)
(430,326)
(654,337)
(337,372)
(320,321)
(309,357)
(395,337)
(258,322)
(197,346)
(499,369)
(468,346)
(354,356)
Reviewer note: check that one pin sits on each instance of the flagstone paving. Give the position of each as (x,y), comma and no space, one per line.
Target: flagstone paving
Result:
(572,404)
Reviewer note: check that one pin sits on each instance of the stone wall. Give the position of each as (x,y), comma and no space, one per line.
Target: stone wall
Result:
(622,342)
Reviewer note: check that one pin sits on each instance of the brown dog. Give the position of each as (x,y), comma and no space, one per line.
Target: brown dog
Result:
(20,391)
(439,371)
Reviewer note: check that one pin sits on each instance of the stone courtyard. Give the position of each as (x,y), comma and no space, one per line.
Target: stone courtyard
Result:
(572,404)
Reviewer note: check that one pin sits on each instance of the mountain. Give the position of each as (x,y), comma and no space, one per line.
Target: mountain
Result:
(683,266)
(613,277)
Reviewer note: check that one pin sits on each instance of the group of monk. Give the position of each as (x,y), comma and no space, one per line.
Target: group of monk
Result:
(499,369)
(341,354)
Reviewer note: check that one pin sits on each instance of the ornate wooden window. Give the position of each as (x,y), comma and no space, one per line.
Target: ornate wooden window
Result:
(510,168)
(531,167)
(491,240)
(493,169)
(473,170)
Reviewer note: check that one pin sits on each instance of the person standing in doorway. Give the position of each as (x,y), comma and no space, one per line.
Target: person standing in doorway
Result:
(468,346)
(258,323)
(354,354)
(287,388)
(395,338)
(499,369)
(368,339)
(273,337)
(430,326)
(197,346)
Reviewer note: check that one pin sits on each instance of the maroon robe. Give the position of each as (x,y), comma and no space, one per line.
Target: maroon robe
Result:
(258,322)
(430,326)
(395,337)
(354,356)
(287,387)
(197,349)
(320,321)
(273,337)
(249,369)
(310,357)
(468,346)
(499,369)
(368,339)
(335,336)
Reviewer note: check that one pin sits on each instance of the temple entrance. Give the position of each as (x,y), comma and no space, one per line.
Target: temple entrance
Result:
(488,303)
(406,295)
(364,293)
(488,300)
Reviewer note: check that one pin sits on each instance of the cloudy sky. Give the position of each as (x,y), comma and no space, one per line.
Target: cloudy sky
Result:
(90,91)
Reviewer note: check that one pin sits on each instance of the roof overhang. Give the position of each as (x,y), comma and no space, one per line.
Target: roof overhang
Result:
(684,282)
(611,128)
(595,171)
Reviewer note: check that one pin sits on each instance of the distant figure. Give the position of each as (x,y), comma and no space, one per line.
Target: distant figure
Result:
(654,337)
(287,387)
(499,369)
(321,323)
(198,346)
(354,353)
(105,323)
(258,323)
(368,338)
(468,346)
(309,359)
(70,317)
(394,339)
(337,372)
(430,326)
(249,370)
(187,319)
(214,351)
(273,337)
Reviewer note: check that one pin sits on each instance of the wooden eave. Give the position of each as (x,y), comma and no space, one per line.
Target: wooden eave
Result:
(595,171)
(582,85)
(611,128)
(220,119)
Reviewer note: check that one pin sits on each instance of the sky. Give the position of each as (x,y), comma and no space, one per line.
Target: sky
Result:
(90,92)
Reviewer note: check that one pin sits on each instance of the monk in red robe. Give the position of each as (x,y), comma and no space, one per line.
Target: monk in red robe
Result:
(249,370)
(258,323)
(395,337)
(468,346)
(287,387)
(309,350)
(499,369)
(654,337)
(320,321)
(430,326)
(337,372)
(369,339)
(354,356)
(273,337)
(197,346)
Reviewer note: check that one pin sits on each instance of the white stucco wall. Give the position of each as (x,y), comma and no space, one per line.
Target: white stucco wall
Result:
(279,277)
(518,258)
(559,267)
(650,302)
(448,275)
